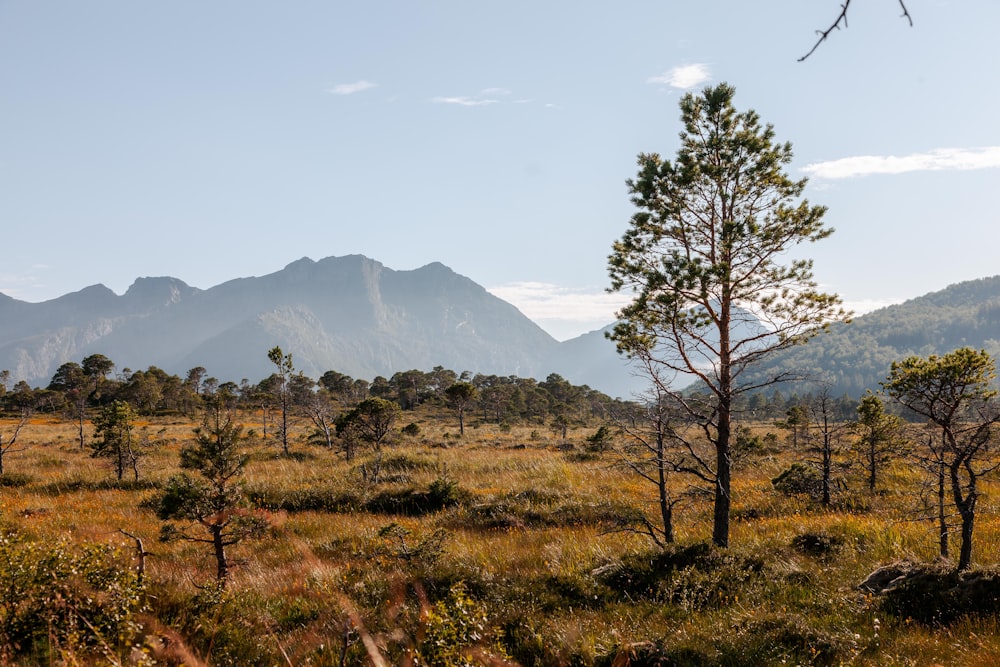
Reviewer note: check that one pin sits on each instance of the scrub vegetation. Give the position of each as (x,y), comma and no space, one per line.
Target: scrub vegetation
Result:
(512,544)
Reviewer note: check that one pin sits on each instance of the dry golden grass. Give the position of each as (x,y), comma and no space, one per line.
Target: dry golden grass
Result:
(292,588)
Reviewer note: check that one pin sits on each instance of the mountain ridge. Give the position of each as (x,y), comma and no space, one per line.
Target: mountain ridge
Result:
(852,357)
(354,315)
(351,314)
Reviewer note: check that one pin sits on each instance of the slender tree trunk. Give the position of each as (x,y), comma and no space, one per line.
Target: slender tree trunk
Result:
(871,468)
(284,421)
(222,565)
(461,421)
(120,460)
(80,413)
(666,508)
(966,505)
(723,453)
(827,463)
(942,519)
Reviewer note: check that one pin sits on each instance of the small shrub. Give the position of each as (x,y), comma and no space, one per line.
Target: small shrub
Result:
(600,441)
(411,429)
(399,542)
(781,638)
(541,508)
(818,544)
(938,595)
(657,654)
(13,480)
(58,597)
(304,499)
(457,632)
(692,577)
(441,494)
(798,479)
(569,591)
(400,462)
(746,443)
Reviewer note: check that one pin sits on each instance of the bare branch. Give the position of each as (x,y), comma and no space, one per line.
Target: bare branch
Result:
(842,18)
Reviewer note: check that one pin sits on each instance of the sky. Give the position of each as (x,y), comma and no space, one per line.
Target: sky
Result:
(213,140)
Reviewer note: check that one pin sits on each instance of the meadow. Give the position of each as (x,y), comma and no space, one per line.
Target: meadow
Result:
(503,546)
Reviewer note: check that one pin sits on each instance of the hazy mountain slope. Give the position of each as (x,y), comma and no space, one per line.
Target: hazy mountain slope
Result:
(593,360)
(36,337)
(349,314)
(356,316)
(857,356)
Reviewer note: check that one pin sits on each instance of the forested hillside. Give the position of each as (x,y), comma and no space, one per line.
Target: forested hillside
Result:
(856,356)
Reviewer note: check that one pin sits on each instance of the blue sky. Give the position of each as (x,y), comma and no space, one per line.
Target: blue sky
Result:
(215,140)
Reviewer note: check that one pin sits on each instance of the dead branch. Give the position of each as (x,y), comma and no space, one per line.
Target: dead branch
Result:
(842,18)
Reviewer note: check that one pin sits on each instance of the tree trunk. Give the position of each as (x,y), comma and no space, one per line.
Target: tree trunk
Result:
(723,453)
(79,422)
(827,464)
(723,502)
(871,468)
(942,519)
(222,565)
(966,505)
(284,423)
(666,508)
(120,461)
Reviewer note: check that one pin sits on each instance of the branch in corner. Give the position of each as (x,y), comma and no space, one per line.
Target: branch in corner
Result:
(842,18)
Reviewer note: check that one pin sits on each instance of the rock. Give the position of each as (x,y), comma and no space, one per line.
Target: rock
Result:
(885,577)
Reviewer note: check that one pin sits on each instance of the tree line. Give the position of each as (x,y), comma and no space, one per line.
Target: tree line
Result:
(79,390)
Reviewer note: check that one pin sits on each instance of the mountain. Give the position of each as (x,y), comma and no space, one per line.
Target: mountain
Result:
(349,314)
(591,359)
(856,356)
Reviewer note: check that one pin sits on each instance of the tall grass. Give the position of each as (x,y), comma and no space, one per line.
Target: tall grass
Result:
(528,530)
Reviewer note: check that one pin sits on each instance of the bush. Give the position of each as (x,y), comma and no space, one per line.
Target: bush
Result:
(13,480)
(780,638)
(600,441)
(441,494)
(938,595)
(67,604)
(747,444)
(692,577)
(541,509)
(798,479)
(306,499)
(457,632)
(820,544)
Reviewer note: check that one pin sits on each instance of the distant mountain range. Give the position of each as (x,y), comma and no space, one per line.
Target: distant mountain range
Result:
(353,315)
(349,314)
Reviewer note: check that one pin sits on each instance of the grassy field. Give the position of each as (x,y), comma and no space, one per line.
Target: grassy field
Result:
(495,548)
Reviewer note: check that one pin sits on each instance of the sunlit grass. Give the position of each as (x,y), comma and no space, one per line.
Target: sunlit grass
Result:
(537,570)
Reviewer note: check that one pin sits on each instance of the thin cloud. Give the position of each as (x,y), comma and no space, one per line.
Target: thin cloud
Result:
(20,286)
(565,312)
(553,302)
(483,98)
(464,101)
(683,76)
(940,159)
(351,88)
